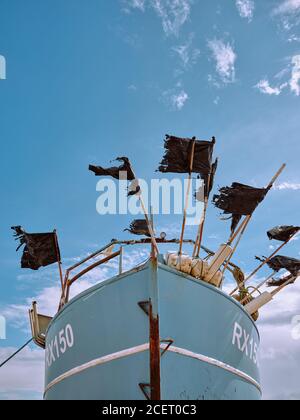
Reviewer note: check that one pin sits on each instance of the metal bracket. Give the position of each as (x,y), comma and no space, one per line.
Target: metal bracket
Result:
(143,388)
(169,342)
(145,306)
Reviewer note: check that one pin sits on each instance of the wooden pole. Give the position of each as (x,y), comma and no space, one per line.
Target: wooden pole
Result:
(187,196)
(153,240)
(58,260)
(199,239)
(244,227)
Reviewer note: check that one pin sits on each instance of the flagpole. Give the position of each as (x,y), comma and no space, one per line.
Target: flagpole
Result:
(58,260)
(153,240)
(243,227)
(265,262)
(198,243)
(187,196)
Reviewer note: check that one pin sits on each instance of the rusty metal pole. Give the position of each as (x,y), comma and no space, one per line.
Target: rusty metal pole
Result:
(155,353)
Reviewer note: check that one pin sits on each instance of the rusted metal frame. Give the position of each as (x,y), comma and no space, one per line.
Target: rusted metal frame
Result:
(155,352)
(169,343)
(68,271)
(145,307)
(95,254)
(87,270)
(143,388)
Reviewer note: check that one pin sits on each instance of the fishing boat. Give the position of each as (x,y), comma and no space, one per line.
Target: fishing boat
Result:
(164,329)
(150,333)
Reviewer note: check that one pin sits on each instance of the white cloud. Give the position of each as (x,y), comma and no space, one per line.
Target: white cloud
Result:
(264,87)
(187,53)
(288,12)
(246,8)
(295,79)
(179,100)
(175,98)
(287,186)
(279,350)
(173,13)
(23,376)
(225,58)
(134,4)
(287,7)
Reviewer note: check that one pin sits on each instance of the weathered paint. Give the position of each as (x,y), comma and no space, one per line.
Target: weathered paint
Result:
(107,319)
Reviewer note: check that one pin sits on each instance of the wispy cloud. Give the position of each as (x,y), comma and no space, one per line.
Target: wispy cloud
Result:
(225,58)
(287,7)
(289,13)
(246,8)
(293,81)
(175,98)
(187,53)
(265,87)
(287,186)
(134,4)
(22,377)
(173,13)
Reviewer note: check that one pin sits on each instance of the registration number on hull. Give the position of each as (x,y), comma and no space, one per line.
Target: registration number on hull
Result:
(59,345)
(245,343)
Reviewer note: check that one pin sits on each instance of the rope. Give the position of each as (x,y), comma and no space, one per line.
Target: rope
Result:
(17,352)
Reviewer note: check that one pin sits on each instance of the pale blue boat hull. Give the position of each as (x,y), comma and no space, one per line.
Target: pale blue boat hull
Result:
(213,355)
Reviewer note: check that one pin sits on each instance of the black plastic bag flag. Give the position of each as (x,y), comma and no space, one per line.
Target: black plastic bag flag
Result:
(115,171)
(239,200)
(177,158)
(139,227)
(40,249)
(282,281)
(280,262)
(209,179)
(283,233)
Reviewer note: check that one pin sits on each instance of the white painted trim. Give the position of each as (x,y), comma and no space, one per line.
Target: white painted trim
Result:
(216,363)
(145,347)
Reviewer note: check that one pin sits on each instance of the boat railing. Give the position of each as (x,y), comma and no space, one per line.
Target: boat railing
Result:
(107,253)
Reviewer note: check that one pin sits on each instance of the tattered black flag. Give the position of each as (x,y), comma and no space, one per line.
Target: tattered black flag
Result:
(282,281)
(210,178)
(283,233)
(239,200)
(115,171)
(41,249)
(139,227)
(177,158)
(280,262)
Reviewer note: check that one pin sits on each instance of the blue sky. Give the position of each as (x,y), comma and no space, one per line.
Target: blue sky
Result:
(87,82)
